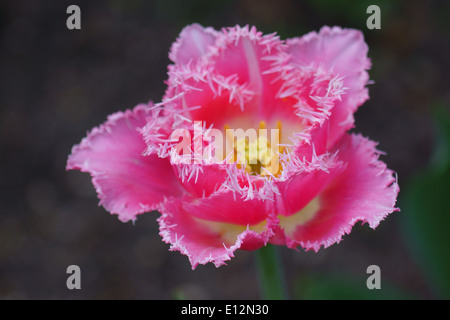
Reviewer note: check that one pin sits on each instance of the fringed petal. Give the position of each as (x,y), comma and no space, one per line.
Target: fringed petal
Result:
(364,191)
(126,182)
(203,240)
(344,53)
(193,43)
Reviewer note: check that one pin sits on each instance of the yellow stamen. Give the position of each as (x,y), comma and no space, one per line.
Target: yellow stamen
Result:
(279,129)
(257,156)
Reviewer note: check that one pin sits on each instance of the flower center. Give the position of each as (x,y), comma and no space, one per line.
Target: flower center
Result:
(254,152)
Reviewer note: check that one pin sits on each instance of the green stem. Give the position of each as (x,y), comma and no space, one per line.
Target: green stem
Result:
(271,279)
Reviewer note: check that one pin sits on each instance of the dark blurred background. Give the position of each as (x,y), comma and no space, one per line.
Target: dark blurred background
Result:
(55,84)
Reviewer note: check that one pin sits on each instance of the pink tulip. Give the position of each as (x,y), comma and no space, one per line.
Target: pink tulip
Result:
(317,181)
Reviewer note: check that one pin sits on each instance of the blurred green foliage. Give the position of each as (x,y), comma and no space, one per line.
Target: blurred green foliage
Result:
(426,210)
(338,287)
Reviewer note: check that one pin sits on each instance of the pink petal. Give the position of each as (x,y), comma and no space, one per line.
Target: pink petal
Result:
(205,94)
(202,183)
(365,191)
(228,207)
(127,182)
(204,241)
(344,52)
(192,44)
(304,185)
(245,53)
